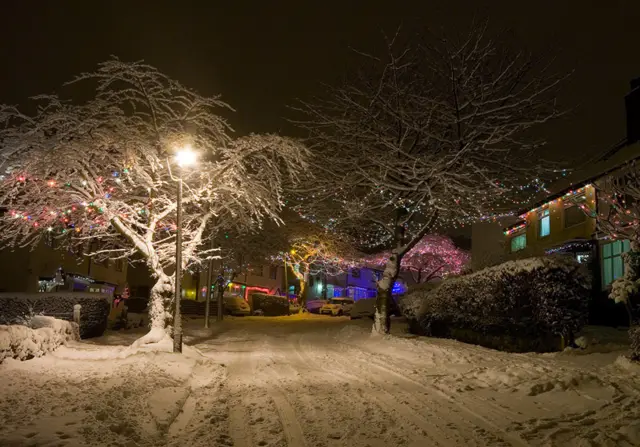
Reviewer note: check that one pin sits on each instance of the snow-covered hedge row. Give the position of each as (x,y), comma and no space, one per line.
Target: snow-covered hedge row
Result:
(44,334)
(93,318)
(270,305)
(523,304)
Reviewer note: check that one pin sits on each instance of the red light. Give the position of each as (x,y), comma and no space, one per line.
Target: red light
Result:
(259,289)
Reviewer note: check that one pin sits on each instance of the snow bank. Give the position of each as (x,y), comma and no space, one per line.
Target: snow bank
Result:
(521,305)
(45,335)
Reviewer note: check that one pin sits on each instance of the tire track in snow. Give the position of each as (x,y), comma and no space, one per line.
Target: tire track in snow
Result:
(385,400)
(478,425)
(244,363)
(290,425)
(409,385)
(408,382)
(321,400)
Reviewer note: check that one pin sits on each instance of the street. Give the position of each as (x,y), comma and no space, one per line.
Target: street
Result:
(316,381)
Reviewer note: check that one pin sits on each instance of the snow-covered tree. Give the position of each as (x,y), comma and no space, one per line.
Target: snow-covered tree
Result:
(425,137)
(435,256)
(619,217)
(319,252)
(103,170)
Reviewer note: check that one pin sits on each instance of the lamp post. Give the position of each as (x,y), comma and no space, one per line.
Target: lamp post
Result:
(184,157)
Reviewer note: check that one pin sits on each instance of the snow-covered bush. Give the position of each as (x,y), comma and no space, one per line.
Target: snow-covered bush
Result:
(411,303)
(531,299)
(44,334)
(270,305)
(93,316)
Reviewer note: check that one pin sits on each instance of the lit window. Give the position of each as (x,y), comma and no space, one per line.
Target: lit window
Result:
(545,223)
(518,242)
(583,258)
(612,263)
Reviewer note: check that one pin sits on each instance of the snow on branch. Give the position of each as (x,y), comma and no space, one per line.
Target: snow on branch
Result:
(101,170)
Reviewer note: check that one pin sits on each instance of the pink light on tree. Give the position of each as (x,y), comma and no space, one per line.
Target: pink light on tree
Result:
(434,256)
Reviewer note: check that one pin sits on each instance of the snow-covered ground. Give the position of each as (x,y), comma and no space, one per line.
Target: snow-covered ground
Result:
(319,381)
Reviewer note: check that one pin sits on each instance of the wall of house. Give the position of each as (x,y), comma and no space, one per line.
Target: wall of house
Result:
(487,244)
(559,232)
(363,279)
(194,284)
(22,268)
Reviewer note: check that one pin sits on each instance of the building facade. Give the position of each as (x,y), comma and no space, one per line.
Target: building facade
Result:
(357,283)
(263,278)
(46,269)
(564,221)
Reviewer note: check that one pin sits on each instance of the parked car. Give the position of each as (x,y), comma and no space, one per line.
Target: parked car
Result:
(367,308)
(236,305)
(337,307)
(314,306)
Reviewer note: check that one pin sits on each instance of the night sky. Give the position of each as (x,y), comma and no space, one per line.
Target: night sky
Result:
(261,55)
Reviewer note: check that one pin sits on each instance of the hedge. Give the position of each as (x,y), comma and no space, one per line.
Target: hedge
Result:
(14,307)
(270,305)
(523,305)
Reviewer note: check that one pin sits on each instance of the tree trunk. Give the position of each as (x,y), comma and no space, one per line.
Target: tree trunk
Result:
(220,304)
(302,298)
(207,305)
(324,287)
(159,302)
(382,318)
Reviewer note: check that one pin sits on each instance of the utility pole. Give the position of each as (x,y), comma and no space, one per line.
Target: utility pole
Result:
(286,280)
(207,305)
(220,283)
(177,317)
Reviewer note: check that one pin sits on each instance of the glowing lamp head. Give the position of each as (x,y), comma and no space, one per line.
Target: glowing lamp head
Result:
(186,157)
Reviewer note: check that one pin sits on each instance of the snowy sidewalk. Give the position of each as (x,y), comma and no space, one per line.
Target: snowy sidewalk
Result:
(316,381)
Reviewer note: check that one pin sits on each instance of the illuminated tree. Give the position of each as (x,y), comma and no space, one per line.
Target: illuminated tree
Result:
(435,256)
(103,171)
(425,137)
(319,253)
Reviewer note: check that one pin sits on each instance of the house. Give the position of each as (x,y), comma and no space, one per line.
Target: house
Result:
(356,283)
(46,268)
(564,221)
(261,278)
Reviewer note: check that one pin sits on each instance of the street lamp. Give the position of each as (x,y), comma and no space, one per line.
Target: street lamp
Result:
(185,157)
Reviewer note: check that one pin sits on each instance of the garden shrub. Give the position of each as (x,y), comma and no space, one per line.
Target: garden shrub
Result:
(270,305)
(517,306)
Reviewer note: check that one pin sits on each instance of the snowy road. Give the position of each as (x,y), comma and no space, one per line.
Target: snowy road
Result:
(318,381)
